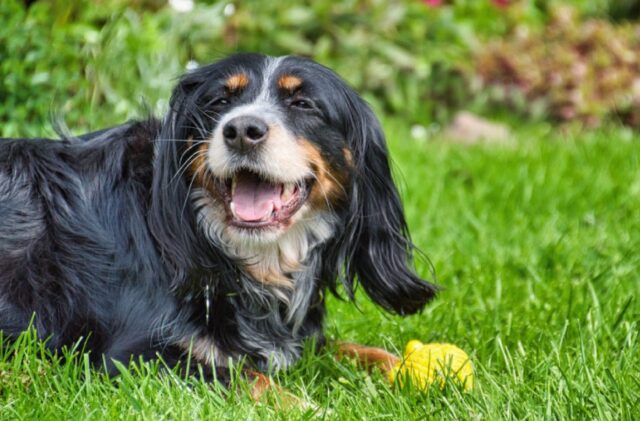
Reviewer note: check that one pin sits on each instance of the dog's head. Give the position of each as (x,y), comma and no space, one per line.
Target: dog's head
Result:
(281,159)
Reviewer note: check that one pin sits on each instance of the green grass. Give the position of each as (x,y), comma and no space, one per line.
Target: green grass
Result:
(536,247)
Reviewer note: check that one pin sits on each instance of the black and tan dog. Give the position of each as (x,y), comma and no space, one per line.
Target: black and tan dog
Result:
(213,232)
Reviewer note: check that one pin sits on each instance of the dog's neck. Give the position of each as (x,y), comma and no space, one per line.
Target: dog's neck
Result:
(282,264)
(275,263)
(290,265)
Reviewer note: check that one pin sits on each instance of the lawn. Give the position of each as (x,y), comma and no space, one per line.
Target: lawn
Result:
(536,248)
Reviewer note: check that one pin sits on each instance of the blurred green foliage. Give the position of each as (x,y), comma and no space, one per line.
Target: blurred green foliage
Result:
(90,64)
(97,63)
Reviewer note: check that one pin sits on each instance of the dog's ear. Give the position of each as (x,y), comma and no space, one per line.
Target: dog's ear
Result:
(168,218)
(377,248)
(172,218)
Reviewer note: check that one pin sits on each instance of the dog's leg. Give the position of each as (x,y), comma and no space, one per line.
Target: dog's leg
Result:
(265,390)
(366,356)
(262,388)
(174,358)
(13,321)
(264,385)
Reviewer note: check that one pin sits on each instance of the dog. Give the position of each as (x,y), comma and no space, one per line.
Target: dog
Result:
(211,236)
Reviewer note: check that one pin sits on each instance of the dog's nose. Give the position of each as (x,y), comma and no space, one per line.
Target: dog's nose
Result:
(244,133)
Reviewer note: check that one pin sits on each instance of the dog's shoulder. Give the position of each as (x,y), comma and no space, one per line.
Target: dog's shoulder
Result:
(75,173)
(136,136)
(135,139)
(130,145)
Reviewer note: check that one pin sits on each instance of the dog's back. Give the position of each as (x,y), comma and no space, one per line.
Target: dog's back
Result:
(75,249)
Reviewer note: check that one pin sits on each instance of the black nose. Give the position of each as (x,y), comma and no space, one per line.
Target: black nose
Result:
(244,133)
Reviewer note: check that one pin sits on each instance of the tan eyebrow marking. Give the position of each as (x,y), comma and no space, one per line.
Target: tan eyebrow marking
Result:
(289,82)
(237,82)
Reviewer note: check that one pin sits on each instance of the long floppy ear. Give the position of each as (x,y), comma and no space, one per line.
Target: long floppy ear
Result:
(172,216)
(378,245)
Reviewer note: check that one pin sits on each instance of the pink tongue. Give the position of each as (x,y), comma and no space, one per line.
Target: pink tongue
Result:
(254,199)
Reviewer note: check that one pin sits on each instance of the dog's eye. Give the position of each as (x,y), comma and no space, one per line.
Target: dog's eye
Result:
(221,102)
(302,104)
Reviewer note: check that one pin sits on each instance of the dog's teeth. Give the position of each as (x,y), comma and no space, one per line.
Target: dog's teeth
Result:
(234,182)
(287,192)
(232,206)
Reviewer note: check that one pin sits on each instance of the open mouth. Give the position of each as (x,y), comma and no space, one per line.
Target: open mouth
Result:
(252,201)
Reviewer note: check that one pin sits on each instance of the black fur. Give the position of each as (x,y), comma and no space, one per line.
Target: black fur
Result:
(99,237)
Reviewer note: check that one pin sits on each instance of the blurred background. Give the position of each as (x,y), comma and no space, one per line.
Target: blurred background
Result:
(502,62)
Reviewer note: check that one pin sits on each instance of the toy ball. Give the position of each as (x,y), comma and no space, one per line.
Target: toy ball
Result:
(424,364)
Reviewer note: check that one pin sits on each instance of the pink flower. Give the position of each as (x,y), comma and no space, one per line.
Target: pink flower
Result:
(433,3)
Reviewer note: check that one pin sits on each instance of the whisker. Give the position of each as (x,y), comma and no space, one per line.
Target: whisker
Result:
(322,190)
(330,174)
(324,193)
(183,140)
(187,164)
(193,178)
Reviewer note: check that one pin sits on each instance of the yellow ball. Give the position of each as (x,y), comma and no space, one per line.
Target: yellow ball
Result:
(425,364)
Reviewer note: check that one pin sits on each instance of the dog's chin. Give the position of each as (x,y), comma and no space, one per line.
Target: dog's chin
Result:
(259,209)
(264,236)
